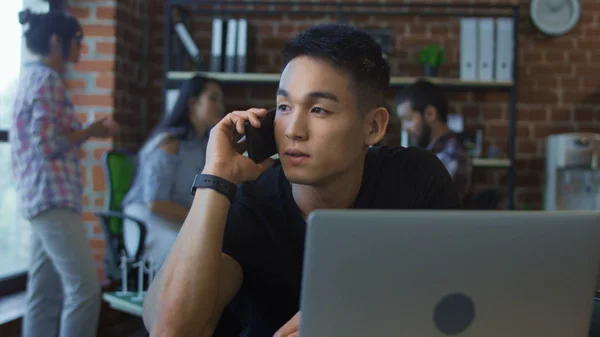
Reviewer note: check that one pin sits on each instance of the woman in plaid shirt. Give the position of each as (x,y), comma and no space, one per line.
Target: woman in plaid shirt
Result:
(45,138)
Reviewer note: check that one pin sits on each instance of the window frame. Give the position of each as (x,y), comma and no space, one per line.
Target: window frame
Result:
(17,282)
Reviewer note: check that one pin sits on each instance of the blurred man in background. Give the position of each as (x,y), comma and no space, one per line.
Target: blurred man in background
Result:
(423,109)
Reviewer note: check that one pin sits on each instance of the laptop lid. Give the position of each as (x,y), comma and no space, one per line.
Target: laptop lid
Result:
(448,273)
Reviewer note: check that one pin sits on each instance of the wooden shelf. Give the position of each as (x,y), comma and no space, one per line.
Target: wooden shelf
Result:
(491,163)
(273,78)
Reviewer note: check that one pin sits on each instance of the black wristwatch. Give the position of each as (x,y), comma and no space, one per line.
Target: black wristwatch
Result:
(223,186)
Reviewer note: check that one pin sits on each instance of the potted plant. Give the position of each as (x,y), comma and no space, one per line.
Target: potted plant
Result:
(431,57)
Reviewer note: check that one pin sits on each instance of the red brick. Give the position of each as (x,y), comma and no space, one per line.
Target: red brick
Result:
(89,217)
(99,202)
(98,153)
(583,114)
(561,114)
(97,229)
(80,13)
(105,81)
(533,114)
(107,48)
(543,130)
(499,131)
(86,66)
(103,100)
(527,146)
(97,244)
(98,181)
(103,13)
(99,30)
(74,84)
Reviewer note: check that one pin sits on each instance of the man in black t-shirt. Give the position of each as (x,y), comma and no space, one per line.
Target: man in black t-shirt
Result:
(246,254)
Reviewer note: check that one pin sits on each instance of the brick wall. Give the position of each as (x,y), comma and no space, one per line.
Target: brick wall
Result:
(92,87)
(120,75)
(558,81)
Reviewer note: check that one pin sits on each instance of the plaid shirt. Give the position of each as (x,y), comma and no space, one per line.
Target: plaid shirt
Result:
(456,159)
(45,165)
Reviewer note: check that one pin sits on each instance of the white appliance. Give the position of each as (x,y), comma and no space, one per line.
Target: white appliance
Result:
(572,172)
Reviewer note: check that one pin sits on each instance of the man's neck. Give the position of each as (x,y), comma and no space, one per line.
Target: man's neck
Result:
(340,193)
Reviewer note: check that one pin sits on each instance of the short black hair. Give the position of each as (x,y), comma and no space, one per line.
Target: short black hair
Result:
(352,50)
(43,25)
(423,93)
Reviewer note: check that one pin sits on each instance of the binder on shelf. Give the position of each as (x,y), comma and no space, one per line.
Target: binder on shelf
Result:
(242,45)
(468,49)
(230,46)
(505,47)
(216,51)
(486,52)
(187,41)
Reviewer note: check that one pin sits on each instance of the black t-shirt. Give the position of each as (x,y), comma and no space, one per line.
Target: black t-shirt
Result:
(265,230)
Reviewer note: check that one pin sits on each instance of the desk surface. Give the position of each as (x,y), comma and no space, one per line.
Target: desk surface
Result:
(127,302)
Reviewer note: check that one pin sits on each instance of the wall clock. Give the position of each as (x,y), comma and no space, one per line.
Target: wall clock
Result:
(555,17)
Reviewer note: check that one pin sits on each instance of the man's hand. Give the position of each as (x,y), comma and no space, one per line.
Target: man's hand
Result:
(290,329)
(102,128)
(224,153)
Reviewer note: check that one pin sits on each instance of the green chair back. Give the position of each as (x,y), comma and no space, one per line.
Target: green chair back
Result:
(119,170)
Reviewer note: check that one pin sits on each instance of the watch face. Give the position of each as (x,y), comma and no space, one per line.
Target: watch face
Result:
(555,16)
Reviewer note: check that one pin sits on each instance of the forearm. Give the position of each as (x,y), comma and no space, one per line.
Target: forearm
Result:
(169,210)
(77,137)
(182,298)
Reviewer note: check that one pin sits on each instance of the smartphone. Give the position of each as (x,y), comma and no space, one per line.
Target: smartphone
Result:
(260,142)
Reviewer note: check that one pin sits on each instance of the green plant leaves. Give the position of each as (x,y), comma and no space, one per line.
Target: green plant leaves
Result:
(432,55)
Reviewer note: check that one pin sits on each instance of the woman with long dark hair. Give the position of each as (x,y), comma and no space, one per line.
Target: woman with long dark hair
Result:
(168,161)
(63,291)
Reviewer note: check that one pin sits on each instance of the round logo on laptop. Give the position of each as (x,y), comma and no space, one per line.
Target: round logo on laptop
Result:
(454,313)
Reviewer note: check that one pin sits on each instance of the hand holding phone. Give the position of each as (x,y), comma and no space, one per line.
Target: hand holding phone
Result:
(260,142)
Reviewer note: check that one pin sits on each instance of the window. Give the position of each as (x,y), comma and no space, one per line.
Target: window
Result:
(14,231)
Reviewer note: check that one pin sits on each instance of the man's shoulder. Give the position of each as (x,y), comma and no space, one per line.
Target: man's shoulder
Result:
(412,177)
(398,157)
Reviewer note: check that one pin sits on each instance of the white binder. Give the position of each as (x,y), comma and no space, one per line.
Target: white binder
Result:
(216,53)
(505,48)
(230,46)
(242,42)
(468,49)
(486,38)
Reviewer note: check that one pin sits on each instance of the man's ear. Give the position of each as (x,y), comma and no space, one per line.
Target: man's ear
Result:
(430,114)
(375,125)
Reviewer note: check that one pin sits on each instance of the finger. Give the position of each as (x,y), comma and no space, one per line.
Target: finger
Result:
(258,111)
(295,334)
(250,116)
(228,125)
(292,325)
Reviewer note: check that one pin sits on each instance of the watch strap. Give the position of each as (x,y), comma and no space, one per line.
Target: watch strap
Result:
(223,186)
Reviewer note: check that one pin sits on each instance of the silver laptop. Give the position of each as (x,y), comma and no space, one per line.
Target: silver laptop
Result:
(449,273)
